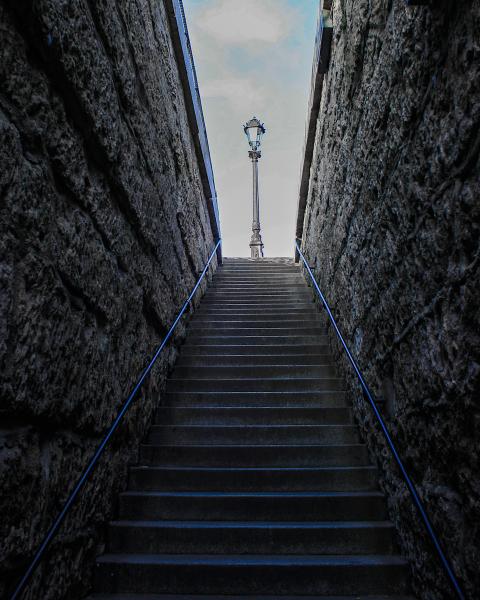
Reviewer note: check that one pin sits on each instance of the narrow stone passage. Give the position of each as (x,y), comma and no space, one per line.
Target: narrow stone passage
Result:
(253,481)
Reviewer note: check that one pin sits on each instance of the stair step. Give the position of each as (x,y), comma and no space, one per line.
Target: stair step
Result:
(222,360)
(217,329)
(261,285)
(255,340)
(286,304)
(250,537)
(277,384)
(218,455)
(280,279)
(263,269)
(239,415)
(291,293)
(308,399)
(272,320)
(276,506)
(253,434)
(262,312)
(267,479)
(257,574)
(233,349)
(251,371)
(237,597)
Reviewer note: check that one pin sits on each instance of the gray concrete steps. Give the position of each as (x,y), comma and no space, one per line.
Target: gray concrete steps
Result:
(217,329)
(272,312)
(258,506)
(260,302)
(270,574)
(250,479)
(280,455)
(306,399)
(251,371)
(206,346)
(253,434)
(275,384)
(223,360)
(285,280)
(279,340)
(236,597)
(250,537)
(286,299)
(245,415)
(258,320)
(226,285)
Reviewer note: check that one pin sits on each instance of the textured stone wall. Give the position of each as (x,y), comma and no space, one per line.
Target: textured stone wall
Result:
(392,228)
(103,232)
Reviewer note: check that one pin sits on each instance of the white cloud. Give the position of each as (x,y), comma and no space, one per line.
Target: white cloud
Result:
(238,22)
(237,91)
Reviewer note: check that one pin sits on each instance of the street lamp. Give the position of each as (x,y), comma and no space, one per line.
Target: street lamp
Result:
(254,131)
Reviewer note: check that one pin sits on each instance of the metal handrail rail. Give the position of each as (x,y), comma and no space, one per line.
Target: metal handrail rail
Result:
(99,451)
(369,396)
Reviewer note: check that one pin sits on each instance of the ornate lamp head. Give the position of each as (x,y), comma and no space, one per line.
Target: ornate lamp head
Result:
(254,130)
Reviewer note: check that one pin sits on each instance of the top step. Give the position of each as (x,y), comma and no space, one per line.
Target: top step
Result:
(245,264)
(275,260)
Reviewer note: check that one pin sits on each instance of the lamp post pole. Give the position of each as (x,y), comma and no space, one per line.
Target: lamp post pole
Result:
(256,244)
(254,130)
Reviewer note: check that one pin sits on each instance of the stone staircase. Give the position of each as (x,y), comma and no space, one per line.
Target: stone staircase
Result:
(253,481)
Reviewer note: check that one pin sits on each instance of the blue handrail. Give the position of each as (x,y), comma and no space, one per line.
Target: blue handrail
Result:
(99,451)
(369,396)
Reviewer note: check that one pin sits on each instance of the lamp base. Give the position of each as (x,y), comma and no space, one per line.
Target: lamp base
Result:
(256,248)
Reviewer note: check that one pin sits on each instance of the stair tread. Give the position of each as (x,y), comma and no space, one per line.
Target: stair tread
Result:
(253,524)
(294,445)
(252,426)
(254,469)
(284,560)
(237,597)
(256,494)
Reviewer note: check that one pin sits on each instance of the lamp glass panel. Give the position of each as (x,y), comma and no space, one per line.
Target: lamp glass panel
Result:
(254,131)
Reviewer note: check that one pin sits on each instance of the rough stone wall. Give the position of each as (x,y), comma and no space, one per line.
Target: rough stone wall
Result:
(392,229)
(103,232)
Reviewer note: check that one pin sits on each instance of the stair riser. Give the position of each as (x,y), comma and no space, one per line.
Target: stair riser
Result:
(217,329)
(236,372)
(246,291)
(270,269)
(261,321)
(257,508)
(328,434)
(255,385)
(254,281)
(259,399)
(262,285)
(150,479)
(255,456)
(273,313)
(287,301)
(221,360)
(254,579)
(233,349)
(250,540)
(255,340)
(252,416)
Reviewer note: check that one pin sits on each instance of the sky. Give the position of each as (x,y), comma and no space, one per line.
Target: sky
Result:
(254,58)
